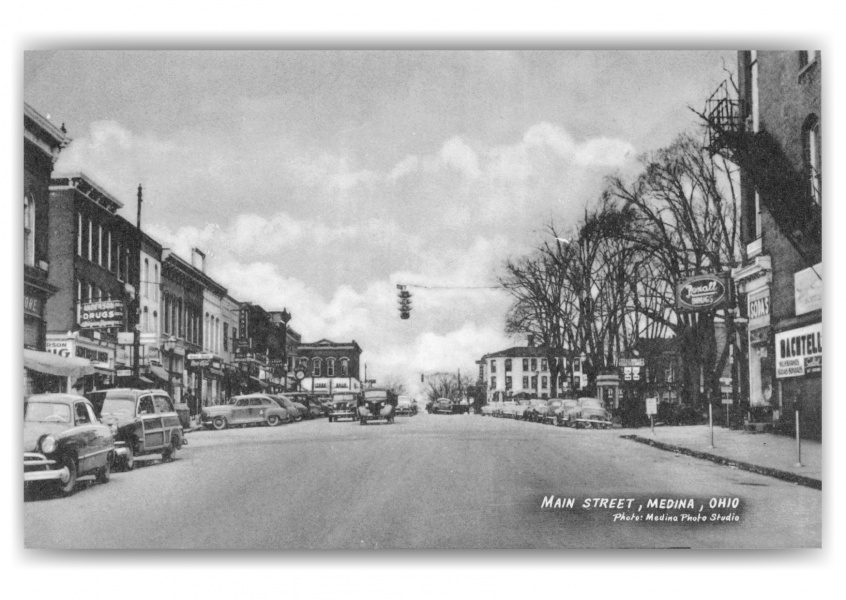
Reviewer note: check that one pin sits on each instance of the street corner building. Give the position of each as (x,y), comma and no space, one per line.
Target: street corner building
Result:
(773,132)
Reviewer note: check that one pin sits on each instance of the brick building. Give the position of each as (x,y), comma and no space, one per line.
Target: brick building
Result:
(329,366)
(773,133)
(94,267)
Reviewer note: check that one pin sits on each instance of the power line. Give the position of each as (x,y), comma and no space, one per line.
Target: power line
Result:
(446,287)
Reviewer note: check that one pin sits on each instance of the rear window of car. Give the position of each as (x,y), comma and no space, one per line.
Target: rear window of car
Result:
(162,404)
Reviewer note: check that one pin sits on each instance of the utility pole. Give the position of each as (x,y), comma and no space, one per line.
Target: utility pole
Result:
(136,333)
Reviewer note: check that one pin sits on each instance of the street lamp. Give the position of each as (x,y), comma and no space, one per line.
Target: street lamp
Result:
(285,316)
(170,346)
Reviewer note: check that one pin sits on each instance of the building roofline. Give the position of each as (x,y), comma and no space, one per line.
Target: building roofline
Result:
(70,181)
(58,136)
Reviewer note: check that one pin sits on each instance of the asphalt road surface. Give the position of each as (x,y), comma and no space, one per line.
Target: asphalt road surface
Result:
(428,481)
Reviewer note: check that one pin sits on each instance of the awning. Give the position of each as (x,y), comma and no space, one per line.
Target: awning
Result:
(159,372)
(144,379)
(53,364)
(213,371)
(263,384)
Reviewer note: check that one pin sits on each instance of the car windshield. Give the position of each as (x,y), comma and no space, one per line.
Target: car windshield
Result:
(374,395)
(590,403)
(118,406)
(47,412)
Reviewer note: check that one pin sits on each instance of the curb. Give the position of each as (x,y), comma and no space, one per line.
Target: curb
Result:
(777,473)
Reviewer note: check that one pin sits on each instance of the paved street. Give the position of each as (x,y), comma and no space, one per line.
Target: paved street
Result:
(425,482)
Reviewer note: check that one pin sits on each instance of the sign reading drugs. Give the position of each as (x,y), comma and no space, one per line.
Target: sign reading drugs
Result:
(100,315)
(799,351)
(702,293)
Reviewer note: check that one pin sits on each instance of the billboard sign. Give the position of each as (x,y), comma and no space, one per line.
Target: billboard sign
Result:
(702,293)
(799,351)
(101,315)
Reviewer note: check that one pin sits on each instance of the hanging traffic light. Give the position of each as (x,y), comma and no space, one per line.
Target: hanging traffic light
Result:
(404,301)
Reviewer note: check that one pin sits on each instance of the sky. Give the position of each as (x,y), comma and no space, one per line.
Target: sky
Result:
(319,180)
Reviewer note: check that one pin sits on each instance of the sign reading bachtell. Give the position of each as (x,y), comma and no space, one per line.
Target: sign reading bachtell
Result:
(100,315)
(702,293)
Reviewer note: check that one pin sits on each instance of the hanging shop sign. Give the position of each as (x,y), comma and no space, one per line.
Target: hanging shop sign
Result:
(807,289)
(631,362)
(702,293)
(799,351)
(100,315)
(758,308)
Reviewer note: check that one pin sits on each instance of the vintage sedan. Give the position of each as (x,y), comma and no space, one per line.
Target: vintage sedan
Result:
(512,409)
(489,409)
(64,440)
(297,410)
(251,409)
(407,406)
(443,406)
(548,415)
(376,404)
(342,406)
(533,410)
(563,412)
(590,414)
(146,423)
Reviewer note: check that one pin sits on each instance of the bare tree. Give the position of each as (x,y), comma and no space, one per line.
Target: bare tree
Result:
(395,384)
(446,385)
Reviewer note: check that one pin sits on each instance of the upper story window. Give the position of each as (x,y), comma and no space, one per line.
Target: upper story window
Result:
(493,366)
(507,364)
(316,365)
(543,365)
(525,364)
(813,164)
(29,230)
(534,364)
(330,367)
(525,382)
(493,383)
(345,367)
(146,276)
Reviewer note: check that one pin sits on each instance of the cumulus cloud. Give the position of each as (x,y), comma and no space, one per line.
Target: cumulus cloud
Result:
(457,154)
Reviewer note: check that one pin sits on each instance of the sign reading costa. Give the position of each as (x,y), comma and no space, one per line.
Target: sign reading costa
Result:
(99,315)
(702,293)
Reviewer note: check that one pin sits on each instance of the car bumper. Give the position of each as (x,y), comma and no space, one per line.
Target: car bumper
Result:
(342,414)
(38,467)
(121,449)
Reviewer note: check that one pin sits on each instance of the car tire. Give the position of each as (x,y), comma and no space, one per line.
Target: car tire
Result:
(170,451)
(66,489)
(273,420)
(105,473)
(219,423)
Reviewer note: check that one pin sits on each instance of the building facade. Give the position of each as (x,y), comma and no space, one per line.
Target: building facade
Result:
(775,138)
(327,366)
(94,267)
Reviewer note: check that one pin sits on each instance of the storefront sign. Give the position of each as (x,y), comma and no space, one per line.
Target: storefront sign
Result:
(60,347)
(243,323)
(99,315)
(631,362)
(33,306)
(758,308)
(807,289)
(702,293)
(200,356)
(799,351)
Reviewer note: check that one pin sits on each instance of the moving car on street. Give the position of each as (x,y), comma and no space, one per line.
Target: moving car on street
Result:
(64,440)
(146,423)
(342,406)
(377,404)
(250,409)
(443,406)
(407,406)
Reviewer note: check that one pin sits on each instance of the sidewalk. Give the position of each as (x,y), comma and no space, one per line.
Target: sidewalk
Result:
(764,453)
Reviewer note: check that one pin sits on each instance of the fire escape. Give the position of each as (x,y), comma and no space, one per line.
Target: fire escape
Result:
(782,189)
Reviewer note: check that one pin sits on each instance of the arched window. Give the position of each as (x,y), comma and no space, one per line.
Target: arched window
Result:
(345,367)
(155,282)
(29,230)
(330,367)
(146,275)
(145,323)
(316,364)
(812,158)
(304,363)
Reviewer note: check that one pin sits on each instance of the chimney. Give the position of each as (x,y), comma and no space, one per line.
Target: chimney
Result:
(531,341)
(198,259)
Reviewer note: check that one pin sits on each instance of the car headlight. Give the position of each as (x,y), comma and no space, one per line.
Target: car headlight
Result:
(48,444)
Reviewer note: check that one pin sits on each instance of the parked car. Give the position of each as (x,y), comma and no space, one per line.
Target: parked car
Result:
(407,406)
(297,411)
(533,410)
(590,414)
(250,409)
(342,406)
(489,409)
(376,404)
(552,406)
(562,414)
(308,402)
(511,409)
(64,440)
(146,423)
